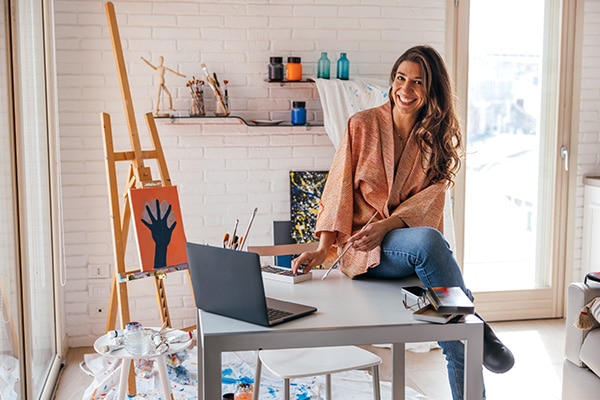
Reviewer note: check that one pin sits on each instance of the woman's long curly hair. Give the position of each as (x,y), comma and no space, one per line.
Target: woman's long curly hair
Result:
(437,129)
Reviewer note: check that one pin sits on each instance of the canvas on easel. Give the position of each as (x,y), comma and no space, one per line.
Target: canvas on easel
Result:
(158,225)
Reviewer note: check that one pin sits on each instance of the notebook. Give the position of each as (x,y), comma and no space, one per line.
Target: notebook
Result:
(229,283)
(450,300)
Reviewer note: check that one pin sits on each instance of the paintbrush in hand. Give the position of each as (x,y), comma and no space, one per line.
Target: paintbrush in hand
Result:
(337,260)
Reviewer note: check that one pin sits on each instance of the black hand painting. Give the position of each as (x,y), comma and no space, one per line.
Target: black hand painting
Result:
(161,232)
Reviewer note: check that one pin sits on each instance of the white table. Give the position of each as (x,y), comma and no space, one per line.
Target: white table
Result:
(126,358)
(350,312)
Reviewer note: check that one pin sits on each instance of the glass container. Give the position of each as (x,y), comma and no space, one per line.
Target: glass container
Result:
(243,392)
(136,341)
(298,113)
(343,67)
(293,69)
(276,70)
(323,66)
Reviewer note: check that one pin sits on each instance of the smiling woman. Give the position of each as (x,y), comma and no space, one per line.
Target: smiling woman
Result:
(381,211)
(408,94)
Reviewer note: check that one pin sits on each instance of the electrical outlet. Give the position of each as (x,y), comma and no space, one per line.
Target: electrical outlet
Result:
(98,290)
(98,309)
(98,271)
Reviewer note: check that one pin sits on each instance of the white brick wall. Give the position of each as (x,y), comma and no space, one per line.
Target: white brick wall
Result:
(225,170)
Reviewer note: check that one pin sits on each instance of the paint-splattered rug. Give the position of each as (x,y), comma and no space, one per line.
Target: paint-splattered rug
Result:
(237,367)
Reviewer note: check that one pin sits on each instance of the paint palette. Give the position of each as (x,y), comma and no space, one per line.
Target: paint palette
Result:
(283,274)
(266,121)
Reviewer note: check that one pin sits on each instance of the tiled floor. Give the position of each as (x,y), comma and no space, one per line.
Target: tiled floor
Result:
(537,346)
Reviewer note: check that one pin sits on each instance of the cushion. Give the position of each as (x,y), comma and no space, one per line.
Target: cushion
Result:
(589,353)
(589,316)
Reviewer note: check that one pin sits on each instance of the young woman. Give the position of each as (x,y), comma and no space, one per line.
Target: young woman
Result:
(396,162)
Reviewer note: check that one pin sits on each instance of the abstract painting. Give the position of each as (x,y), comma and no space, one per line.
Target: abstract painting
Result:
(305,193)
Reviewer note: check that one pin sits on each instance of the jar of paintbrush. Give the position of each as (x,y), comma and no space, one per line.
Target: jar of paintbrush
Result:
(196,88)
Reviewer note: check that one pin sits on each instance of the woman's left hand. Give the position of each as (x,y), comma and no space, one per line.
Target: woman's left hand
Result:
(370,237)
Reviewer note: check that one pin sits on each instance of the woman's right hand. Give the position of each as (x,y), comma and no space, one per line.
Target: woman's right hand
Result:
(307,260)
(310,259)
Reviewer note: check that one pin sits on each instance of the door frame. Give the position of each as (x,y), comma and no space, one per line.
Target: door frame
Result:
(542,302)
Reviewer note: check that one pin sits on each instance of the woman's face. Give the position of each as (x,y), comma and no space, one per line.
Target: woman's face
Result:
(407,89)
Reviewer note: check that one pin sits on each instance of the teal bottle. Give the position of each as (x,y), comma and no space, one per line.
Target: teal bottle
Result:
(343,67)
(323,66)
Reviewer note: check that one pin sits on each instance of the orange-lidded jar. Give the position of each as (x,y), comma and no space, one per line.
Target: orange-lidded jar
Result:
(293,69)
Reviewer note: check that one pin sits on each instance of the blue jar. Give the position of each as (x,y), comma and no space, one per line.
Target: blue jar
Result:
(298,113)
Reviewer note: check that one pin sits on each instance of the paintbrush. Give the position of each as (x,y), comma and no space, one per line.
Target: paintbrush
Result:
(337,260)
(225,239)
(214,86)
(232,237)
(245,237)
(225,82)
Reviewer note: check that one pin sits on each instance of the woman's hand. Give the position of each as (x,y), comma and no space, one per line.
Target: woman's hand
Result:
(371,236)
(310,259)
(307,260)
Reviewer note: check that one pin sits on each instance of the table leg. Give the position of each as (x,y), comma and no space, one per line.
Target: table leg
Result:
(164,377)
(398,367)
(473,366)
(125,366)
(201,385)
(209,382)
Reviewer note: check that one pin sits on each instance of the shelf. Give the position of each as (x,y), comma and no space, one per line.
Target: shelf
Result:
(175,118)
(282,83)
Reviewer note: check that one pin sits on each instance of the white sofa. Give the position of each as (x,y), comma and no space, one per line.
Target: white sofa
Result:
(581,368)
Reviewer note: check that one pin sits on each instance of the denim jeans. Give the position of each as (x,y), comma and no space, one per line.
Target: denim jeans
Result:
(424,251)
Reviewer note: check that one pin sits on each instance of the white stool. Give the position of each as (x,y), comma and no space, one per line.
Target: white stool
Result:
(297,363)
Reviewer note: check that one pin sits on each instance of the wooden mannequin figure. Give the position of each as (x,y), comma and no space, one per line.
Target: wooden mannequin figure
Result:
(160,70)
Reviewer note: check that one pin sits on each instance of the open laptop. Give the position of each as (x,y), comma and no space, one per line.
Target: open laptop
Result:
(229,282)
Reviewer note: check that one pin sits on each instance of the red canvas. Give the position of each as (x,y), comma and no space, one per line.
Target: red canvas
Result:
(158,226)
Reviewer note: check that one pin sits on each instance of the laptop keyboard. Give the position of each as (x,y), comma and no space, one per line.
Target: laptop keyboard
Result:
(274,313)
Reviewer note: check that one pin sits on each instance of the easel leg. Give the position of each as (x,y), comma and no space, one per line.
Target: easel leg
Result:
(165,178)
(111,320)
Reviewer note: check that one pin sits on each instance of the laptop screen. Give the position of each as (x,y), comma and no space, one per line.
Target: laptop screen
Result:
(227,282)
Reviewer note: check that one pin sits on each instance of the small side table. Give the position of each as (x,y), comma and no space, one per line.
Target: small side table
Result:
(126,358)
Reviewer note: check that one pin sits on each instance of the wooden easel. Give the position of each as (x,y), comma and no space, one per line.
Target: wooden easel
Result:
(139,175)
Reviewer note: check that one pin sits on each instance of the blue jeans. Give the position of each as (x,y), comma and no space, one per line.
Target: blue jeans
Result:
(424,251)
